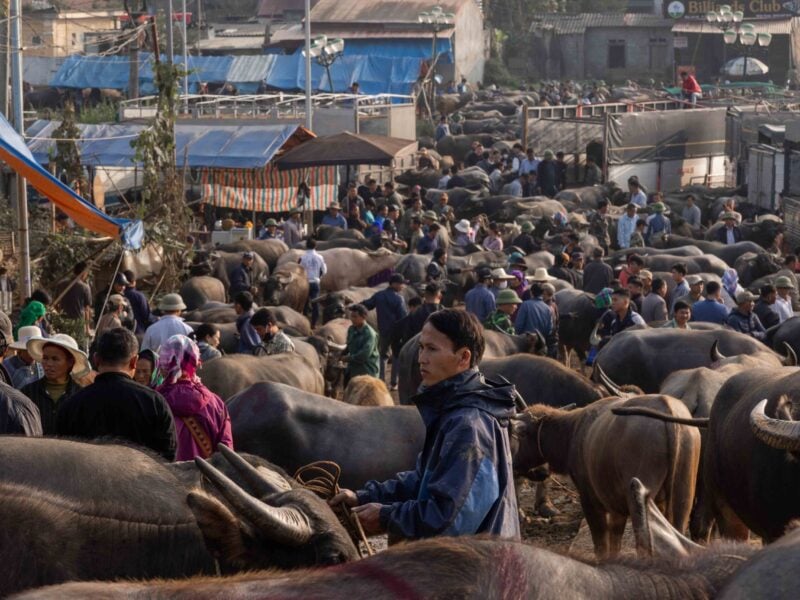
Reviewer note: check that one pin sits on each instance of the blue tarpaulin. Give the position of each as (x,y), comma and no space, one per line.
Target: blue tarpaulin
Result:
(218,146)
(16,155)
(375,74)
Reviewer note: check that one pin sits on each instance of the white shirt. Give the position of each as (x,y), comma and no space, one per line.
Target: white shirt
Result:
(314,265)
(783,308)
(443,182)
(163,329)
(729,236)
(528,166)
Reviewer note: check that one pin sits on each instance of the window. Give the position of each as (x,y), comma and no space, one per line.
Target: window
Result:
(658,53)
(616,54)
(36,40)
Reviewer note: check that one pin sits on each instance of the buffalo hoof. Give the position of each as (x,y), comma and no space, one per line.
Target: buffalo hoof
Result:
(547,510)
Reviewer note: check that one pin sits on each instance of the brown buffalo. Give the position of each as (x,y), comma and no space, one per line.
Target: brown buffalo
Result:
(348,267)
(364,390)
(602,453)
(287,286)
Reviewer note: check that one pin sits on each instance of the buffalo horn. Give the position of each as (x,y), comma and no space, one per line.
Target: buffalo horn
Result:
(262,481)
(335,346)
(716,355)
(606,381)
(286,525)
(777,433)
(791,356)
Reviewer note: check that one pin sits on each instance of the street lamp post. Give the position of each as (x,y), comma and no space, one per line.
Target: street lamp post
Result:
(325,52)
(735,31)
(438,20)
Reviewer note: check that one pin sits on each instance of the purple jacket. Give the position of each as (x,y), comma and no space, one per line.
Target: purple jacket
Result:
(189,399)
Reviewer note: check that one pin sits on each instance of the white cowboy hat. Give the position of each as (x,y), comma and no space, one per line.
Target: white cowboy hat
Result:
(501,274)
(463,226)
(29,332)
(68,343)
(541,274)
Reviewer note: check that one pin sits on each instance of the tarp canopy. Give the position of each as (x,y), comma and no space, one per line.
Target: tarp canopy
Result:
(666,135)
(375,74)
(202,145)
(16,155)
(346,149)
(400,48)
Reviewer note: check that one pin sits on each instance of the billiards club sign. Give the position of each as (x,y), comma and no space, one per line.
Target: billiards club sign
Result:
(752,9)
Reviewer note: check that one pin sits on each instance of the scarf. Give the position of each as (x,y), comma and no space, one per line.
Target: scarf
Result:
(178,358)
(32,312)
(730,281)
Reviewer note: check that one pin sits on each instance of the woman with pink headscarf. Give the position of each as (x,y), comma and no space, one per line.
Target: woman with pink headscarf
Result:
(201,418)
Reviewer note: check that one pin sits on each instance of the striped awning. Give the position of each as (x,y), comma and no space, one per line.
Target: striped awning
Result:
(268,190)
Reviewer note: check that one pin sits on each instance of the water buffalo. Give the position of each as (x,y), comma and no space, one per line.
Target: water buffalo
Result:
(787,333)
(727,252)
(497,345)
(197,291)
(707,263)
(426,178)
(222,265)
(229,375)
(295,427)
(645,357)
(588,197)
(348,267)
(363,390)
(751,266)
(669,567)
(99,511)
(577,318)
(458,146)
(287,286)
(268,250)
(601,453)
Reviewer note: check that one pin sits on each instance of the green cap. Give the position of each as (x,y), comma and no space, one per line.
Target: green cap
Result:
(548,154)
(429,214)
(784,282)
(658,207)
(271,223)
(527,227)
(507,297)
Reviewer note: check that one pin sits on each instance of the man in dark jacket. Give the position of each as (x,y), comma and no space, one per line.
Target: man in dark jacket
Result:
(765,307)
(18,414)
(138,302)
(742,318)
(412,323)
(463,482)
(597,274)
(547,175)
(242,276)
(391,307)
(115,406)
(730,233)
(249,339)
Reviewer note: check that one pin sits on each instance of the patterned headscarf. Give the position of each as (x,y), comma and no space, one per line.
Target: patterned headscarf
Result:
(179,357)
(730,280)
(32,312)
(523,283)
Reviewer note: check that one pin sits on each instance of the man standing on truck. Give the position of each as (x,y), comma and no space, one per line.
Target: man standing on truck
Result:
(690,89)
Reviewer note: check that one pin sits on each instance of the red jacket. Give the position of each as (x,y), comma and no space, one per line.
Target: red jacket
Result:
(690,85)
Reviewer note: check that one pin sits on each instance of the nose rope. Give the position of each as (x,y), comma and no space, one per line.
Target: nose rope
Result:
(322,478)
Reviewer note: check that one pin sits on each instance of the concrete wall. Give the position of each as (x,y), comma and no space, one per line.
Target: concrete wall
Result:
(469,42)
(641,55)
(61,34)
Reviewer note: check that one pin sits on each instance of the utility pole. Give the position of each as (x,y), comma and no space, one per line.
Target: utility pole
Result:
(5,36)
(186,59)
(170,41)
(19,124)
(309,118)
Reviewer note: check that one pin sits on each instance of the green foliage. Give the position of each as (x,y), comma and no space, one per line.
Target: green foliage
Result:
(105,112)
(68,157)
(495,72)
(425,128)
(166,217)
(59,253)
(72,327)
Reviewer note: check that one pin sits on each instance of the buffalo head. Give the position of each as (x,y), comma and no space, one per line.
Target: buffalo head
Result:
(274,287)
(272,525)
(782,432)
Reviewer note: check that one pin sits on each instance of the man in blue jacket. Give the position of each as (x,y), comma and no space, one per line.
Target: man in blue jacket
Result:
(463,482)
(534,314)
(391,307)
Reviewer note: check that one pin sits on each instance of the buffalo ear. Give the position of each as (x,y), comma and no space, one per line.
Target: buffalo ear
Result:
(227,538)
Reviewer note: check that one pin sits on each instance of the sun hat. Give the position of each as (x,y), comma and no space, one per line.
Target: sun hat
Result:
(335,205)
(463,226)
(170,302)
(658,207)
(516,258)
(429,214)
(745,296)
(645,274)
(271,223)
(541,274)
(526,227)
(694,279)
(500,273)
(29,332)
(296,211)
(507,297)
(68,343)
(116,299)
(728,216)
(781,282)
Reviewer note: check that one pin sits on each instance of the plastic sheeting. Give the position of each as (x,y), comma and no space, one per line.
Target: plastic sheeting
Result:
(16,155)
(400,48)
(220,146)
(666,135)
(375,74)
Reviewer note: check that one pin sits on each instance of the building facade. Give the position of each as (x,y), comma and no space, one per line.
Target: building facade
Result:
(58,33)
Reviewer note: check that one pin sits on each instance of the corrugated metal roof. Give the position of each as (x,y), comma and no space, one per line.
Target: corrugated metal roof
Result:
(578,24)
(276,8)
(294,35)
(774,26)
(239,42)
(378,11)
